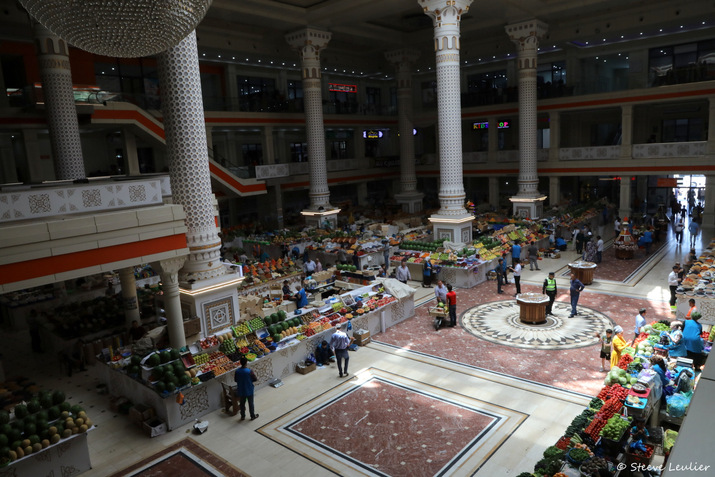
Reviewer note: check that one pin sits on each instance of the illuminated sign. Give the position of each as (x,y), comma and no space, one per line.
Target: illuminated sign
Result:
(485,125)
(372,134)
(343,88)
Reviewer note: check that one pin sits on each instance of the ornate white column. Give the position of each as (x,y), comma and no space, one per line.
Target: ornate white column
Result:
(129,296)
(528,202)
(168,271)
(185,131)
(409,196)
(452,221)
(61,112)
(626,131)
(309,43)
(554,190)
(624,208)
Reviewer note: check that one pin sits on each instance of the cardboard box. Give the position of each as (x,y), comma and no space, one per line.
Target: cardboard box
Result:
(115,402)
(140,413)
(303,369)
(154,427)
(362,337)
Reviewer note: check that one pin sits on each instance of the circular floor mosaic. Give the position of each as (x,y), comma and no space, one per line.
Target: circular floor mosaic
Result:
(499,323)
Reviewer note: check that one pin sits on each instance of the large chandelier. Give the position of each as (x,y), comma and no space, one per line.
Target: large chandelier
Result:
(119,28)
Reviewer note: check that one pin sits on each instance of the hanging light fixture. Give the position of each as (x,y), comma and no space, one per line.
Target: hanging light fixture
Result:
(119,28)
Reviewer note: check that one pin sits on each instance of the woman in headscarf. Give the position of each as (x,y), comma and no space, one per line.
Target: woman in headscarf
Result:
(617,345)
(677,348)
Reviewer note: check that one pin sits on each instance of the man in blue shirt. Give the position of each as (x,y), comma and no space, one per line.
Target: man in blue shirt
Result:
(301,298)
(245,378)
(340,342)
(640,322)
(575,290)
(515,254)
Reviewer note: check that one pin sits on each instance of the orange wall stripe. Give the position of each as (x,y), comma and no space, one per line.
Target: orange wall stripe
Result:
(131,115)
(29,269)
(340,180)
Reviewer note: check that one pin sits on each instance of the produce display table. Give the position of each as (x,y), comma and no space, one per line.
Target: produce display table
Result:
(532,307)
(583,271)
(206,397)
(457,277)
(70,457)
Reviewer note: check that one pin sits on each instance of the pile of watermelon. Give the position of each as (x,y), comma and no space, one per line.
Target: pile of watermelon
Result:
(45,420)
(276,329)
(275,318)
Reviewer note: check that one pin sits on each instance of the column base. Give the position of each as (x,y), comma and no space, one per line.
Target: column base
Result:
(528,207)
(321,218)
(214,302)
(454,229)
(622,213)
(411,201)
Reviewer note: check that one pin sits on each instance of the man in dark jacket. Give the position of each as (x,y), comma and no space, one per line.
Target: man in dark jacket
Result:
(245,377)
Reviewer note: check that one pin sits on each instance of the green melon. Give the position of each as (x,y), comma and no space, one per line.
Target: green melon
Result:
(18,425)
(4,451)
(34,439)
(165,356)
(282,314)
(4,440)
(46,400)
(16,443)
(158,372)
(153,361)
(20,411)
(171,386)
(5,429)
(53,413)
(30,428)
(42,415)
(4,417)
(14,435)
(168,369)
(58,397)
(42,425)
(184,380)
(159,387)
(65,406)
(268,320)
(174,354)
(275,317)
(285,325)
(135,360)
(76,409)
(276,338)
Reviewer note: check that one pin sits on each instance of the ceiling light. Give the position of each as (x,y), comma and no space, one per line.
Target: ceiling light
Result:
(120,29)
(233,57)
(219,56)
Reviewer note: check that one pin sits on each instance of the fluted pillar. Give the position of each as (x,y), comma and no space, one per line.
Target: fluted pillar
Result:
(528,202)
(60,109)
(169,272)
(624,206)
(184,126)
(626,131)
(452,221)
(129,295)
(309,43)
(409,196)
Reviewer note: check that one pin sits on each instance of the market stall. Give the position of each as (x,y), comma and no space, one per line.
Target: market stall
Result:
(699,285)
(274,345)
(583,271)
(532,307)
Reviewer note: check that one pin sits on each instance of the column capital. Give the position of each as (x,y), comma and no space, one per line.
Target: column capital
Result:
(441,10)
(309,41)
(403,56)
(169,265)
(527,33)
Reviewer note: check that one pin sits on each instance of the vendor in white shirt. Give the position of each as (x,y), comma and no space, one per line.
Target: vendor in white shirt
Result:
(403,273)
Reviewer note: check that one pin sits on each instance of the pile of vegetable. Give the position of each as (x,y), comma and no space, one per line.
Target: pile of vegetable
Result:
(579,455)
(615,428)
(579,422)
(592,467)
(620,376)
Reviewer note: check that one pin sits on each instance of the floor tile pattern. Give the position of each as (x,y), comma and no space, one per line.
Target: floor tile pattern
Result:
(499,323)
(185,458)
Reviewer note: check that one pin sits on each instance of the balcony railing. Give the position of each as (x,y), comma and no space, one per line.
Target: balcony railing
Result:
(670,149)
(592,153)
(23,202)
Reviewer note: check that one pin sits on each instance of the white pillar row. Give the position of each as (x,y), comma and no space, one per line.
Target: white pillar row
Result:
(60,109)
(554,190)
(187,154)
(528,202)
(555,137)
(452,221)
(409,196)
(129,143)
(709,212)
(624,207)
(130,303)
(494,192)
(626,131)
(168,271)
(309,43)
